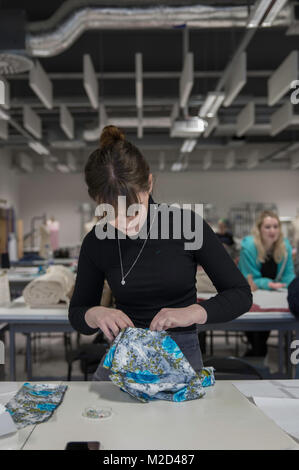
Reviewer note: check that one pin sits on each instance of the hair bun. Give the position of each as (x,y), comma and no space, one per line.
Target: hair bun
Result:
(110,135)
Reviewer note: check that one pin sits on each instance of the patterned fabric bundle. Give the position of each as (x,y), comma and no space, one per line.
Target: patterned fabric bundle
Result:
(35,403)
(149,365)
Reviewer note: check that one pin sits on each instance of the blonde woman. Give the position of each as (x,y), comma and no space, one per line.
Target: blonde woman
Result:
(266,256)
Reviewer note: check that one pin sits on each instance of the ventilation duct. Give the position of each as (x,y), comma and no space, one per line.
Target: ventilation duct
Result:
(52,37)
(13,57)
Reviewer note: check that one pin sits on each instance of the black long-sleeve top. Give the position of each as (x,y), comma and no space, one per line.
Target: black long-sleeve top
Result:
(163,276)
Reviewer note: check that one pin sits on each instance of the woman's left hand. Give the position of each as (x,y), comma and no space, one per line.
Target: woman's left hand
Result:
(178,317)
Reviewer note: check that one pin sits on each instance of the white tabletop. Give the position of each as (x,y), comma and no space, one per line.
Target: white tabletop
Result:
(223,419)
(264,299)
(18,311)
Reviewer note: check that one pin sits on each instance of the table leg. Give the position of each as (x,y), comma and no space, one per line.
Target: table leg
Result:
(28,357)
(12,354)
(281,352)
(289,338)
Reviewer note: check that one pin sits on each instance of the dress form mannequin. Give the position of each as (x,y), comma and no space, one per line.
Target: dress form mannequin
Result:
(53,226)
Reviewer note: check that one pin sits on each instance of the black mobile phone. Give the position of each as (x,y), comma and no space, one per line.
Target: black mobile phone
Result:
(81,445)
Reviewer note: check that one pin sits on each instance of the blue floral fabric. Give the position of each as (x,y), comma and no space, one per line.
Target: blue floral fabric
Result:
(149,365)
(35,403)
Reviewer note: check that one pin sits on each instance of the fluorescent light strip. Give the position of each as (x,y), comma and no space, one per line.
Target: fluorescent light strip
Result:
(4,115)
(258,13)
(207,104)
(62,168)
(188,145)
(38,148)
(278,5)
(176,166)
(212,124)
(216,105)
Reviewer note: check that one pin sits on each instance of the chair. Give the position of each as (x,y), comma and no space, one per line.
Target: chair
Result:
(233,368)
(89,356)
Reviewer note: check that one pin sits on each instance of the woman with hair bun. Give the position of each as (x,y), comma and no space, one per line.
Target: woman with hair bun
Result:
(267,257)
(152,278)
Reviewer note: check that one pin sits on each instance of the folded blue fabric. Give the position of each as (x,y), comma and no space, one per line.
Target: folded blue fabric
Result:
(35,403)
(149,365)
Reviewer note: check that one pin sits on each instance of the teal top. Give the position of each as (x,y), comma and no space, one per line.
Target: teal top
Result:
(250,264)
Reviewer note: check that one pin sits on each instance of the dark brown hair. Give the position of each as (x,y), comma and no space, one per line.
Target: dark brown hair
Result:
(116,168)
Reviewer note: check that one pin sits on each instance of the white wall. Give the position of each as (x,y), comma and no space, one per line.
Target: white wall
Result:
(54,194)
(60,195)
(9,181)
(231,187)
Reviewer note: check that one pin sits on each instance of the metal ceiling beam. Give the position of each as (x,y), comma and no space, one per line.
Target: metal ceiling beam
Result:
(146,75)
(75,101)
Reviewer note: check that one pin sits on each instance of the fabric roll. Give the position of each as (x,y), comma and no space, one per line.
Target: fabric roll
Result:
(50,288)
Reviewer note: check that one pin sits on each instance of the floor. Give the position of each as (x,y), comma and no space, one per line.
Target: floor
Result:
(49,361)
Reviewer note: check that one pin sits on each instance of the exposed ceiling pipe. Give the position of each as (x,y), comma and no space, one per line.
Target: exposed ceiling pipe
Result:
(52,37)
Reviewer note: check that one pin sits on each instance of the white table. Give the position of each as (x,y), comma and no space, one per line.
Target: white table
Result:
(261,321)
(23,319)
(223,419)
(64,261)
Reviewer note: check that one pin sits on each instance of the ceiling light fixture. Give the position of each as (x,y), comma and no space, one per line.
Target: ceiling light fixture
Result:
(211,104)
(4,115)
(258,12)
(188,145)
(38,148)
(278,5)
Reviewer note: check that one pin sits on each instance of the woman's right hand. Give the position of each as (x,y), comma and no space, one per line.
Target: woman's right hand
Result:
(109,320)
(276,285)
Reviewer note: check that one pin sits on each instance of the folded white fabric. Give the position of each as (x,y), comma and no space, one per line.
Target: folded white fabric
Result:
(50,288)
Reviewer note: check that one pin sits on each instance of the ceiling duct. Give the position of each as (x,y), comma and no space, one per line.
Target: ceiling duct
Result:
(13,55)
(73,18)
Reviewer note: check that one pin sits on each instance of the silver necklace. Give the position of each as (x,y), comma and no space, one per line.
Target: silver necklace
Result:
(123,276)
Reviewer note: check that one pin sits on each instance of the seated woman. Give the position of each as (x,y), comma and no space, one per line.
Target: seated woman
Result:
(267,257)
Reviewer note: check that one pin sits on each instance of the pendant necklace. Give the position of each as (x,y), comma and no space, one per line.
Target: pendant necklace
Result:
(123,276)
